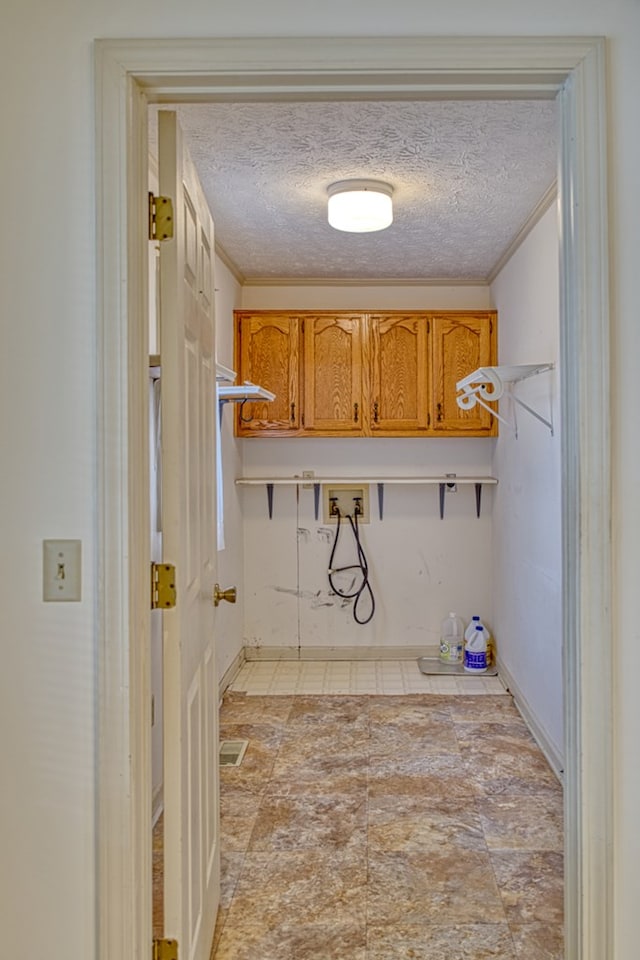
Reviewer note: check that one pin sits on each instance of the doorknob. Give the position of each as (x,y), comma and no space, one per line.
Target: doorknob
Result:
(228,595)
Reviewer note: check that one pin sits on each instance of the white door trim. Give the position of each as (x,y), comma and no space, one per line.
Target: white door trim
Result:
(128,72)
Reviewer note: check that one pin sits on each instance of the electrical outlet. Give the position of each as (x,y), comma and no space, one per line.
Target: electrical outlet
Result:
(61,570)
(308,474)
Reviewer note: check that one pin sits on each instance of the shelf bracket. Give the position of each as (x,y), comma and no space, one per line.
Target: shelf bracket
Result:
(316,499)
(488,383)
(270,499)
(381,500)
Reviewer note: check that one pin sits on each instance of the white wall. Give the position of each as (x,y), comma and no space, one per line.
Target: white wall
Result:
(48,384)
(229,617)
(527,515)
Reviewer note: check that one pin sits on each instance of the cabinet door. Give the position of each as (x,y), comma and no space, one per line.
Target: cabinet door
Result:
(399,373)
(333,374)
(268,354)
(460,344)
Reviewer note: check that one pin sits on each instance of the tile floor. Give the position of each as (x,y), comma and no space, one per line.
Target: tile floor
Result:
(373,821)
(352,676)
(387,826)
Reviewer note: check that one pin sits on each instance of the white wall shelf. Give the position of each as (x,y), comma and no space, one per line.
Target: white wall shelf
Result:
(447,482)
(488,384)
(238,393)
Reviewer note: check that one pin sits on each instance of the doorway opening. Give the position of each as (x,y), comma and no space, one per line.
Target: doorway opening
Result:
(132,73)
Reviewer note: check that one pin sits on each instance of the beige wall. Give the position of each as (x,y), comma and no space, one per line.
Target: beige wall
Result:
(48,384)
(527,555)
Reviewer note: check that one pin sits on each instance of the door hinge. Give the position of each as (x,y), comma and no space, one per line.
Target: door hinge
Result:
(160,217)
(165,950)
(163,586)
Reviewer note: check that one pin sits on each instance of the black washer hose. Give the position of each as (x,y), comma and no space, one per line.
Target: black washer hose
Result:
(362,566)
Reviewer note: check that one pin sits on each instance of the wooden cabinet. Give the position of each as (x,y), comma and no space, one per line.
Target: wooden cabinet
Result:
(460,343)
(363,374)
(268,353)
(399,374)
(333,367)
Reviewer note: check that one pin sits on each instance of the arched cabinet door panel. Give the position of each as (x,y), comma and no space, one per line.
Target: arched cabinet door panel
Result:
(333,366)
(268,353)
(399,373)
(459,345)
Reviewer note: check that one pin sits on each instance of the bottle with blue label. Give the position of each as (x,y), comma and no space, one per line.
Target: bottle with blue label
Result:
(475,651)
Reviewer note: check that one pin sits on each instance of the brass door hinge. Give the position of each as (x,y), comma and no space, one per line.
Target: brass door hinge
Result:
(163,586)
(165,950)
(160,218)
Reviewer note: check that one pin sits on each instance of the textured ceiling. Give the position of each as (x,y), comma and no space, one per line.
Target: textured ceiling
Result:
(466,176)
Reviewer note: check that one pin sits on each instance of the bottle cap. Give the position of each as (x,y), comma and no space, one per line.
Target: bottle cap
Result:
(479,626)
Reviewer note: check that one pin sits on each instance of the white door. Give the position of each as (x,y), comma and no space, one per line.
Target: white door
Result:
(191,836)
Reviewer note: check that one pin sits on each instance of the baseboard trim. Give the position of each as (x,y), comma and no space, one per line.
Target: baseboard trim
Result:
(339,653)
(550,749)
(232,671)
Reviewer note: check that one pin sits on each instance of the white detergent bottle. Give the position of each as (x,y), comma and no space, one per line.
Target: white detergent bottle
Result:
(451,639)
(475,651)
(471,629)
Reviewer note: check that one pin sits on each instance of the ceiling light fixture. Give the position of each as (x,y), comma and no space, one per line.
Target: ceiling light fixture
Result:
(360,206)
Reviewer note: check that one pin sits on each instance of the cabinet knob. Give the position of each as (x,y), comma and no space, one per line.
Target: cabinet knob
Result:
(293,412)
(375,412)
(439,408)
(355,412)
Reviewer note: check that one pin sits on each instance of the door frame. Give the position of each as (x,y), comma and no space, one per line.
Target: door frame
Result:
(132,73)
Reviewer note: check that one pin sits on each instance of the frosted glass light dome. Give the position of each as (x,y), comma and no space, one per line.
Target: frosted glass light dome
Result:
(360,206)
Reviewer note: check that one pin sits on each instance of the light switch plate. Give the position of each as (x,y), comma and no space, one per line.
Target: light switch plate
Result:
(61,570)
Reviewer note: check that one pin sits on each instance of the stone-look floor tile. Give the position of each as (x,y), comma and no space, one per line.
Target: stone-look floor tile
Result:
(329,709)
(318,776)
(240,708)
(426,824)
(238,813)
(330,740)
(531,885)
(257,763)
(157,893)
(522,823)
(292,823)
(417,708)
(217,933)
(262,737)
(317,886)
(231,865)
(292,940)
(503,758)
(444,887)
(434,776)
(461,941)
(410,740)
(538,941)
(483,709)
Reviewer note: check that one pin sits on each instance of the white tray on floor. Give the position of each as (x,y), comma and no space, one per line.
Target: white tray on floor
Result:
(434,667)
